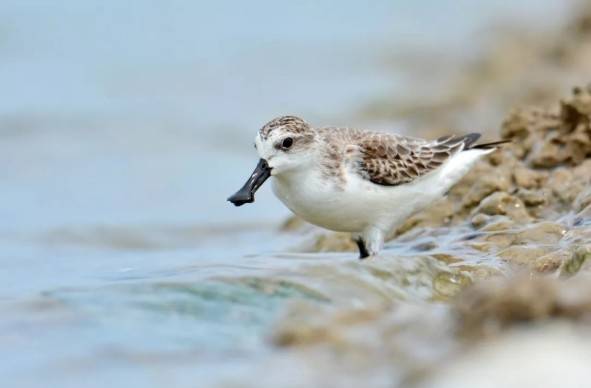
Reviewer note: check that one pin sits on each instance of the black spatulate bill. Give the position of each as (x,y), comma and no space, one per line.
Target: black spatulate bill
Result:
(246,194)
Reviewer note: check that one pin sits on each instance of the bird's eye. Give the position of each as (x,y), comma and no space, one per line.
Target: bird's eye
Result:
(287,142)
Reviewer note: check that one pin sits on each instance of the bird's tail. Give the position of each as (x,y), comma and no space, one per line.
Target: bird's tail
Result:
(469,141)
(488,146)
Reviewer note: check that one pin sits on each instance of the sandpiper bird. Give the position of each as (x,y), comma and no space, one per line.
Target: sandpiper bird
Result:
(356,181)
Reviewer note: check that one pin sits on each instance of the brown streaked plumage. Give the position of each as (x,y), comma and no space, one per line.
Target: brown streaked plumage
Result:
(394,160)
(386,159)
(290,123)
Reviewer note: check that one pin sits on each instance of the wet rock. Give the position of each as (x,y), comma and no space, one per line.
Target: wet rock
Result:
(555,137)
(527,178)
(309,324)
(334,242)
(440,213)
(583,200)
(550,262)
(523,255)
(526,127)
(564,185)
(480,183)
(479,220)
(502,203)
(532,197)
(553,151)
(580,103)
(574,263)
(448,284)
(497,223)
(542,233)
(491,306)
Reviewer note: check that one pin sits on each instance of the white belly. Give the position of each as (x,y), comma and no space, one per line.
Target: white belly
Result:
(355,206)
(360,203)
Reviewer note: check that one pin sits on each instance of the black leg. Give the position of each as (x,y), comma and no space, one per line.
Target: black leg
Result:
(363,253)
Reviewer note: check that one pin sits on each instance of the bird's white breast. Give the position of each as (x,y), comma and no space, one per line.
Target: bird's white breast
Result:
(348,206)
(317,200)
(356,203)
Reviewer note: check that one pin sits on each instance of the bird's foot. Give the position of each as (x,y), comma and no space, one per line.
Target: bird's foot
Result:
(363,252)
(370,242)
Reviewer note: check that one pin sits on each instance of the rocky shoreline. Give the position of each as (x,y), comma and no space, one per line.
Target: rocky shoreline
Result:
(509,251)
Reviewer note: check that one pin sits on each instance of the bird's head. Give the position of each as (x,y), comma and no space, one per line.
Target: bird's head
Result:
(284,145)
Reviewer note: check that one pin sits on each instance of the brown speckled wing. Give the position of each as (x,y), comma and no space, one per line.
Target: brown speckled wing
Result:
(392,160)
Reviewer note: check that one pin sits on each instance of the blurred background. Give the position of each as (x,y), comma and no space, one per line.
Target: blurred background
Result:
(124,126)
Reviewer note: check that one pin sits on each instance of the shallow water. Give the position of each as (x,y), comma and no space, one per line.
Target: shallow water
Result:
(160,306)
(126,128)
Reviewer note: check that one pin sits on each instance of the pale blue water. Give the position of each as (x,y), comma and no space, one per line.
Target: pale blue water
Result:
(124,125)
